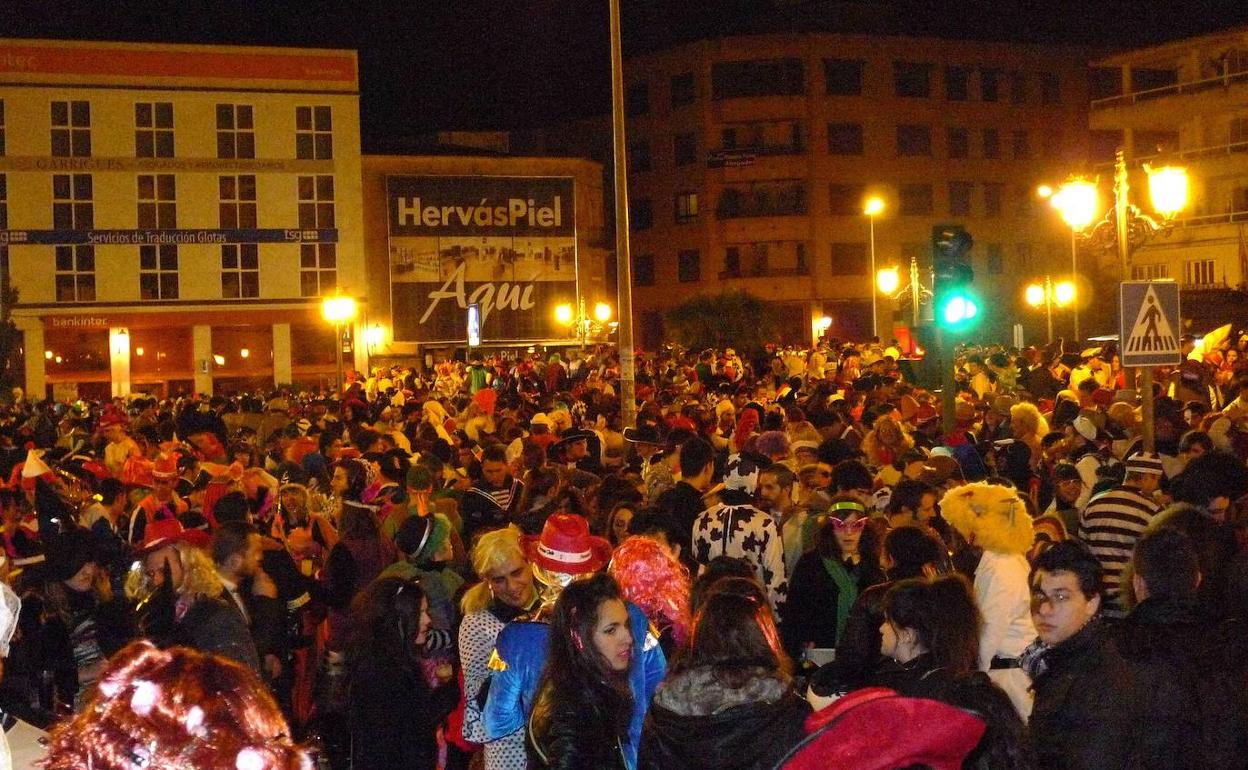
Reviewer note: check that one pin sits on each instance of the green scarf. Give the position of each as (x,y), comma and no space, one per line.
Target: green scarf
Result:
(846,592)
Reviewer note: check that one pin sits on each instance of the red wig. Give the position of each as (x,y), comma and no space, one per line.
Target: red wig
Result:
(172,709)
(654,580)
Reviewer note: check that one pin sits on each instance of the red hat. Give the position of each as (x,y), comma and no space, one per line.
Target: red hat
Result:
(165,468)
(163,532)
(113,416)
(566,546)
(876,729)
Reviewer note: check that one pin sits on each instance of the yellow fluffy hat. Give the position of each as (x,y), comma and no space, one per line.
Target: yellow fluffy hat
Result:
(990,516)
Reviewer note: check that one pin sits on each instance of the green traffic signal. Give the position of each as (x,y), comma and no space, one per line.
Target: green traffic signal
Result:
(958,310)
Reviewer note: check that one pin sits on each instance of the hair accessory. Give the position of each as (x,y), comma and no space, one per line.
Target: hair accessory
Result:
(144,697)
(249,759)
(848,505)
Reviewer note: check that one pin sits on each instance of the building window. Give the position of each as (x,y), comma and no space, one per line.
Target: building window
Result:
(996,259)
(689,265)
(1020,145)
(845,139)
(314,133)
(153,129)
(1199,272)
(957,84)
(158,271)
(685,149)
(1154,272)
(75,273)
(1050,88)
(683,91)
(236,133)
(989,85)
(732,262)
(1237,131)
(686,207)
(914,141)
(959,143)
(158,208)
(1018,87)
(72,206)
(842,77)
(992,143)
(992,199)
(640,215)
(916,199)
(643,269)
(318,262)
(237,205)
(639,156)
(845,200)
(71,129)
(240,271)
(637,99)
(912,79)
(850,259)
(960,198)
(767,77)
(1239,202)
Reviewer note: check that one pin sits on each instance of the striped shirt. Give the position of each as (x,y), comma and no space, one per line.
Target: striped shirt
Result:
(1110,527)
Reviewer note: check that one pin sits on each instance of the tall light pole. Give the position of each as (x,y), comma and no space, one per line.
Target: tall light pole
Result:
(623,265)
(872,208)
(338,310)
(1076,202)
(1050,294)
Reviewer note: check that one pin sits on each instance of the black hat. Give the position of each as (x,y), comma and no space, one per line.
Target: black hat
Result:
(69,552)
(572,436)
(645,433)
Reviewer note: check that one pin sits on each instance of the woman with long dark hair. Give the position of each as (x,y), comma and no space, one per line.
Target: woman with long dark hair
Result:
(393,713)
(728,702)
(584,703)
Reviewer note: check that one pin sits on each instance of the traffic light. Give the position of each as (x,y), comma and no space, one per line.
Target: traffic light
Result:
(957,307)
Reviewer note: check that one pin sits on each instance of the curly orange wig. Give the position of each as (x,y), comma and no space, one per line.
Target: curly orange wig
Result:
(654,580)
(173,709)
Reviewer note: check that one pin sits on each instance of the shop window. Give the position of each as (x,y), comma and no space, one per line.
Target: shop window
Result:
(689,265)
(992,143)
(686,208)
(153,129)
(959,143)
(240,271)
(914,141)
(911,79)
(71,129)
(237,201)
(158,208)
(685,149)
(158,271)
(75,273)
(683,91)
(845,139)
(316,202)
(850,258)
(957,84)
(236,131)
(842,77)
(314,133)
(72,204)
(318,269)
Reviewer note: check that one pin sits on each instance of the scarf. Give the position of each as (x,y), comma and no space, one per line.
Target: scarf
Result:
(846,592)
(1034,659)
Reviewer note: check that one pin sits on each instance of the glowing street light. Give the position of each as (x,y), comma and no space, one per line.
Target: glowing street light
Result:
(1064,293)
(338,310)
(564,314)
(1167,186)
(887,280)
(823,324)
(1076,201)
(1049,294)
(602,311)
(1035,295)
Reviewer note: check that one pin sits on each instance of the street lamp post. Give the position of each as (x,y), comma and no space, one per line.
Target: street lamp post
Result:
(338,310)
(1076,202)
(872,208)
(1050,294)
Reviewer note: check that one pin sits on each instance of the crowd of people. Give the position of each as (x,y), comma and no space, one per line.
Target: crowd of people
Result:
(787,562)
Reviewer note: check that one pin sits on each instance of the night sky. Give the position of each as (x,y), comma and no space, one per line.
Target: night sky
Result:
(427,65)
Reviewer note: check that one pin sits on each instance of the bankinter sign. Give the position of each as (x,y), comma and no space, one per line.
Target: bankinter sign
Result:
(507,244)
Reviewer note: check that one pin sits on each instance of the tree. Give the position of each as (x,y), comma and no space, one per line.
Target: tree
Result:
(735,319)
(11,354)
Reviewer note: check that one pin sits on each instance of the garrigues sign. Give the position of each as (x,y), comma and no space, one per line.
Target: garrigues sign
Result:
(507,244)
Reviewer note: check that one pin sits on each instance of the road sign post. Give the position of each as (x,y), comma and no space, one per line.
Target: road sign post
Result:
(1148,335)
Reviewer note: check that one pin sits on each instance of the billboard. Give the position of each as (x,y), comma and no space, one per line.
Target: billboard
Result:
(507,244)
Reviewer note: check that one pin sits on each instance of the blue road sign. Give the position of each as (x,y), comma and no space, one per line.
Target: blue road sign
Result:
(1149,323)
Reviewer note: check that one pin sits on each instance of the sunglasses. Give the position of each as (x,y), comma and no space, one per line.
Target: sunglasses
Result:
(848,528)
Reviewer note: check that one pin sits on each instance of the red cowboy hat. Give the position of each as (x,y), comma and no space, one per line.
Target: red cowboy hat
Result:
(566,546)
(159,534)
(165,468)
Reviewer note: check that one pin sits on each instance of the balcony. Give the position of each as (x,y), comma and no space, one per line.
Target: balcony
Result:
(1175,89)
(748,155)
(762,202)
(765,272)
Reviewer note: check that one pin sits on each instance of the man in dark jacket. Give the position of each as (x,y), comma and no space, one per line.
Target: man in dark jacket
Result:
(1086,714)
(493,499)
(684,499)
(1190,671)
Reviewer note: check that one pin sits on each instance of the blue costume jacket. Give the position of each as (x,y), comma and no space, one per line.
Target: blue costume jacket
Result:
(516,667)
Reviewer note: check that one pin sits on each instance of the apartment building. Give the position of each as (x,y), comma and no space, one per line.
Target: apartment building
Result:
(750,159)
(172,215)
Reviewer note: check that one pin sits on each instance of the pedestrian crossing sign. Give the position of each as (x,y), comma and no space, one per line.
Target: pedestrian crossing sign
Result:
(1149,323)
